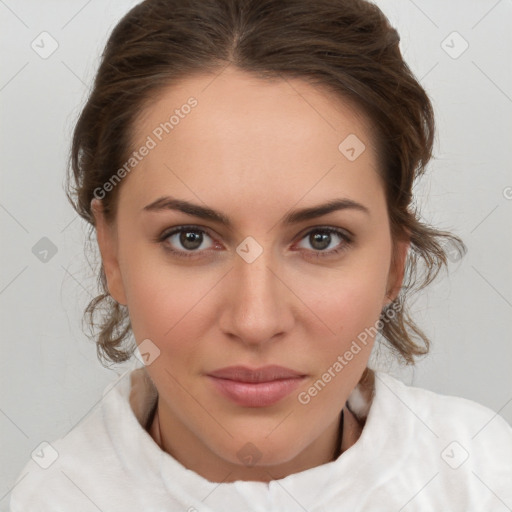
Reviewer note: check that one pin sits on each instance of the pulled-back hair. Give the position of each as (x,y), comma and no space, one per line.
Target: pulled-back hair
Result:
(346,46)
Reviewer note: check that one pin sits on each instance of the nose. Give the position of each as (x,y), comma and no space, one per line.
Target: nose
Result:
(258,308)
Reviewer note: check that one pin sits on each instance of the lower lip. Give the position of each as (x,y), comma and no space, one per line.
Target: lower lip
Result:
(256,394)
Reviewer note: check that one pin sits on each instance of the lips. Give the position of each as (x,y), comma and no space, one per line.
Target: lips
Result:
(259,387)
(264,374)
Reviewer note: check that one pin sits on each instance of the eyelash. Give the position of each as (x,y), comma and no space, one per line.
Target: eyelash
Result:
(347,241)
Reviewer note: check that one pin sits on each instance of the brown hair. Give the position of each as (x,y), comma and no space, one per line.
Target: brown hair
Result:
(346,46)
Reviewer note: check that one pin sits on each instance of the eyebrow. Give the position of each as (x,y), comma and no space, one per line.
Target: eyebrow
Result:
(170,203)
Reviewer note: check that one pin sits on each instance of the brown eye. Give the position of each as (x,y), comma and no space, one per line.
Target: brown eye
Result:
(320,239)
(190,240)
(185,241)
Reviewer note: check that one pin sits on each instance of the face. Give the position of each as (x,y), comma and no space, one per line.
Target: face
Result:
(266,286)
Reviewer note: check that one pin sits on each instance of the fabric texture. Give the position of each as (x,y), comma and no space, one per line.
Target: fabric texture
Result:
(418,451)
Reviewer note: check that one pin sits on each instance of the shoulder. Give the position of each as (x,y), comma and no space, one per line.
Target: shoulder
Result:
(446,414)
(422,450)
(50,475)
(70,471)
(464,446)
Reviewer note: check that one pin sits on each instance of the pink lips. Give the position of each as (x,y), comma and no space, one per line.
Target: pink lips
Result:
(259,387)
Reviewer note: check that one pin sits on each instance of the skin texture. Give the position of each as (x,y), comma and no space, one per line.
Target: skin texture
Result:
(254,150)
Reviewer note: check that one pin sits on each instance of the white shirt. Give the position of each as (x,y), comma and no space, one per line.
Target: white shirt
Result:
(418,451)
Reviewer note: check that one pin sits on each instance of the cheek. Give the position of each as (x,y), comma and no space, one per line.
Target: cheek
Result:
(155,291)
(350,298)
(350,313)
(350,308)
(349,304)
(168,303)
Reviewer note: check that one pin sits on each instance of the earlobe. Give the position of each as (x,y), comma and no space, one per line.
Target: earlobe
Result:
(397,270)
(107,243)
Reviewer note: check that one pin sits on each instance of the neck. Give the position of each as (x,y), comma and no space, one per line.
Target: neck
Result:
(194,455)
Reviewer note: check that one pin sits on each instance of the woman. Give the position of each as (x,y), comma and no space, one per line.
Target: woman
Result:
(247,167)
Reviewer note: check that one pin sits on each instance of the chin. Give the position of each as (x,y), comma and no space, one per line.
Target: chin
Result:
(260,451)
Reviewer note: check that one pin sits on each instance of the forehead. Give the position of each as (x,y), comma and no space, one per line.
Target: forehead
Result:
(282,136)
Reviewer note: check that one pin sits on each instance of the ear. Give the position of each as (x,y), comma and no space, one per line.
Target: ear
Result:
(396,270)
(107,242)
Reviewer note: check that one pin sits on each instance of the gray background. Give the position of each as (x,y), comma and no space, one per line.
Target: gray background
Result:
(50,377)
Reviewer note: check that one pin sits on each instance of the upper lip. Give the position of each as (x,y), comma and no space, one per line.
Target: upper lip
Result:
(263,374)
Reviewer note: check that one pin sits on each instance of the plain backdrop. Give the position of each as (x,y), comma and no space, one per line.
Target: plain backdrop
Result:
(49,375)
